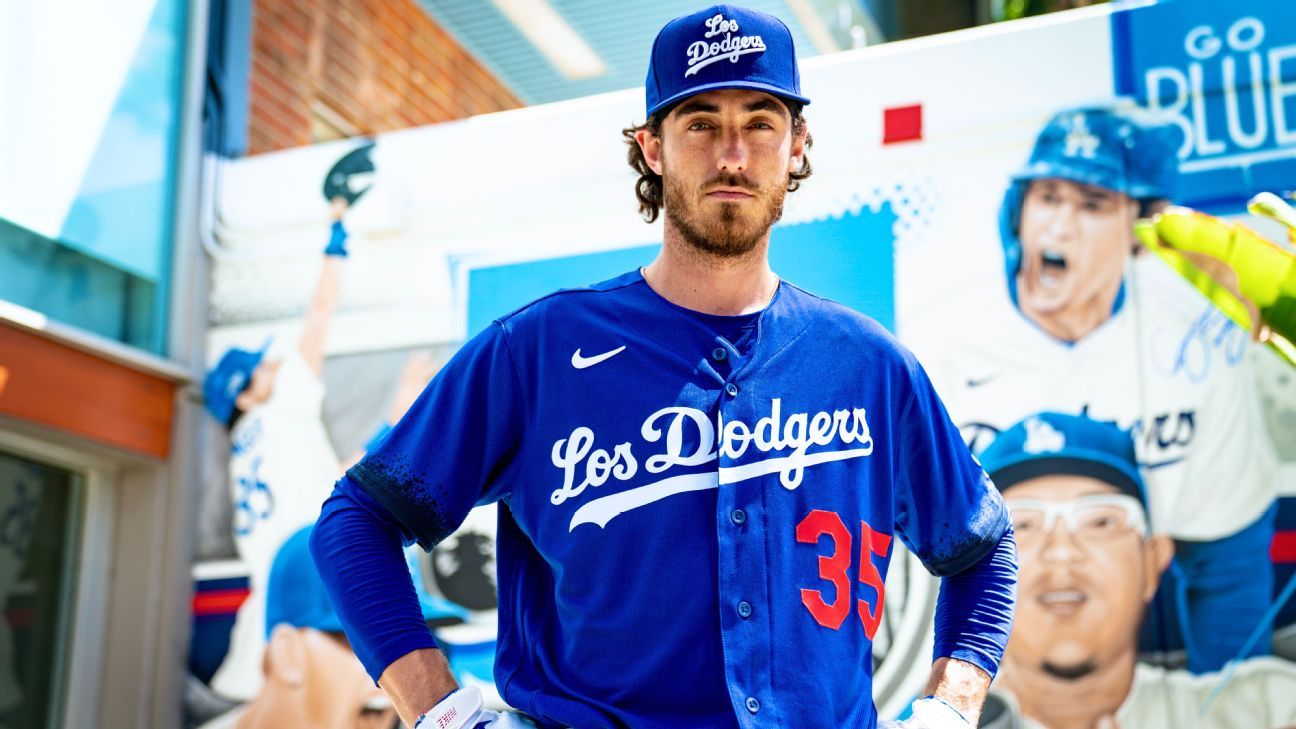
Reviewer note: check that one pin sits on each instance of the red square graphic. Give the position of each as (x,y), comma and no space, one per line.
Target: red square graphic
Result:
(902,124)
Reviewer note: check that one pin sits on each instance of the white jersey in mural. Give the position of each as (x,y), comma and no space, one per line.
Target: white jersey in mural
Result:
(1166,363)
(282,467)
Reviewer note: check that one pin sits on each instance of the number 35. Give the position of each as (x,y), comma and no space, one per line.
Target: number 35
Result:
(834,567)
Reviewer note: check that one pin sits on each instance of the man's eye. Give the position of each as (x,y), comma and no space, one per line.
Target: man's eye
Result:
(699,126)
(762,125)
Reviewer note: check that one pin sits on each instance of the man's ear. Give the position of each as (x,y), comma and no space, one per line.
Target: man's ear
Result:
(650,144)
(285,656)
(797,161)
(1158,550)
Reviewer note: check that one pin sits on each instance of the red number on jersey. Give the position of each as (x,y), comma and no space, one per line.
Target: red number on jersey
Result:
(832,567)
(879,544)
(835,566)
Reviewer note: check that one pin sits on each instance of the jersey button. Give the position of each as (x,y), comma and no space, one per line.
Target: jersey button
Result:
(719,354)
(752,704)
(731,389)
(744,610)
(738,516)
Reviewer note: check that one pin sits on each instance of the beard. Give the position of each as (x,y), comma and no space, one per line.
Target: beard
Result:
(729,234)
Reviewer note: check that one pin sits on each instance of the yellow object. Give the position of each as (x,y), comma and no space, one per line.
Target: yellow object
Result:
(1243,273)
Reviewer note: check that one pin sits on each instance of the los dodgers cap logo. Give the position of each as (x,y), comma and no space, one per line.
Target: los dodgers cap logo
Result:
(722,47)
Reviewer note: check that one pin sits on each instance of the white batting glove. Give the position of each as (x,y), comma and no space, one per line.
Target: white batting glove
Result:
(929,713)
(462,709)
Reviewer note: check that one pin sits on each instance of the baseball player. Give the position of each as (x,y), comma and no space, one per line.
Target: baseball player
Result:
(701,469)
(280,452)
(1083,330)
(1090,563)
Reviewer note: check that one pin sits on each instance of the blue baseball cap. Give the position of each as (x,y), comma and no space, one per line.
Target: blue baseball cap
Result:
(1054,443)
(295,593)
(1091,145)
(1154,159)
(722,47)
(228,378)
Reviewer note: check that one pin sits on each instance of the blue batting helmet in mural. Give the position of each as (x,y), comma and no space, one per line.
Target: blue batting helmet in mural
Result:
(1122,149)
(228,378)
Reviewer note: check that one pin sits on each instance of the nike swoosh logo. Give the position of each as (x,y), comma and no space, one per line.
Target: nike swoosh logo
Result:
(979,381)
(581,363)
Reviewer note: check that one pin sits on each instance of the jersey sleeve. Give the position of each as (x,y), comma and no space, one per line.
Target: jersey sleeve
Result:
(454,447)
(948,512)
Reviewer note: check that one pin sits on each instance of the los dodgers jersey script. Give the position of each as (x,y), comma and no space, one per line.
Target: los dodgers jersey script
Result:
(691,533)
(1166,364)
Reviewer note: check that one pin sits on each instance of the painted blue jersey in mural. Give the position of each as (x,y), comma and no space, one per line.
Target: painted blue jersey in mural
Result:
(697,512)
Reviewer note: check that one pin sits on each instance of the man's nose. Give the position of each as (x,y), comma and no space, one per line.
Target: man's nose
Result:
(1060,545)
(733,152)
(1062,225)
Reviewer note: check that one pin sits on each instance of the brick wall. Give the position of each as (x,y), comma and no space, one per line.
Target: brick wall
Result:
(324,69)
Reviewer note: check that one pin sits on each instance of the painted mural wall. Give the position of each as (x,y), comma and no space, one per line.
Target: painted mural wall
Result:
(975,193)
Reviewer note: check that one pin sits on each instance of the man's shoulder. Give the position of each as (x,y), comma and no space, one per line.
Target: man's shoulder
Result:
(819,311)
(573,301)
(1263,688)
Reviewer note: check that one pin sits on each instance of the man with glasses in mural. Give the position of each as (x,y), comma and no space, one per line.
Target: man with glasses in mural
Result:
(1090,564)
(701,468)
(1084,330)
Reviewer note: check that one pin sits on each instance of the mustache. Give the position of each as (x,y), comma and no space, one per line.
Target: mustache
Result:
(731,180)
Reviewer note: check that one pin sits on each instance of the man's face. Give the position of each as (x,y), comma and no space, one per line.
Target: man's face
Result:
(338,692)
(260,386)
(1075,240)
(725,157)
(1080,596)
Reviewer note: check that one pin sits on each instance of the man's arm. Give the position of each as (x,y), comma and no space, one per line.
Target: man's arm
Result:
(416,682)
(974,615)
(358,550)
(960,684)
(328,290)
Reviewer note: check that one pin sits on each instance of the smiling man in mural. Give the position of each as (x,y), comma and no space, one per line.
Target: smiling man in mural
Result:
(1086,328)
(701,468)
(1090,563)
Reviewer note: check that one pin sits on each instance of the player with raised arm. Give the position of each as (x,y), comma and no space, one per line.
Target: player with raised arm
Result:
(271,403)
(701,468)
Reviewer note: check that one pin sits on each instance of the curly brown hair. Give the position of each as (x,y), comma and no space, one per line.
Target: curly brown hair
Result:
(649,189)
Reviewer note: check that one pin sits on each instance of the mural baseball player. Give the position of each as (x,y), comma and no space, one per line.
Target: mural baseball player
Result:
(312,679)
(1084,331)
(701,469)
(1090,563)
(280,450)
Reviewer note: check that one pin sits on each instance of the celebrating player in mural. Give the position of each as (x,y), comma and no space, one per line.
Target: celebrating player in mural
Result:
(1090,563)
(280,449)
(701,467)
(1083,330)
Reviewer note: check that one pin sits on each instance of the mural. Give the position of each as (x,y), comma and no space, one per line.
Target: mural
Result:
(978,195)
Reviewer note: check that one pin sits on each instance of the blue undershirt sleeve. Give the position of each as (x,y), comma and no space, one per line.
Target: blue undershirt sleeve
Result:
(974,611)
(358,549)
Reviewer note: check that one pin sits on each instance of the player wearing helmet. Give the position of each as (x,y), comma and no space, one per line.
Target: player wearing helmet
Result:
(1086,329)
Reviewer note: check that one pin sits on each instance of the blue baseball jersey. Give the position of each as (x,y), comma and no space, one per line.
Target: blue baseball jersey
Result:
(694,531)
